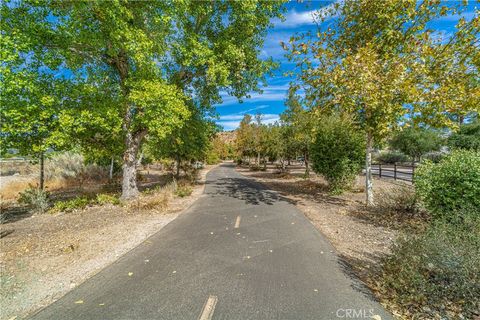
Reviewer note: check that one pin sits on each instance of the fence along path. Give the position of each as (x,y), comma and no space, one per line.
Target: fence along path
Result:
(395,171)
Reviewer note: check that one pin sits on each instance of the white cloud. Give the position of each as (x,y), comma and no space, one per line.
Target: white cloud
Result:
(270,93)
(294,19)
(229,125)
(232,121)
(262,106)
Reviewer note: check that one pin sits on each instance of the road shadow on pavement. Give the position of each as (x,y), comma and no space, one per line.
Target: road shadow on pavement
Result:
(243,189)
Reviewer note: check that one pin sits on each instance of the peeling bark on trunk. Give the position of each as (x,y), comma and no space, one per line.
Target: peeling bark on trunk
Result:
(42,171)
(129,182)
(368,171)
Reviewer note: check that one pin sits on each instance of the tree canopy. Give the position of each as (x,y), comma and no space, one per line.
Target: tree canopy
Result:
(379,61)
(415,142)
(151,59)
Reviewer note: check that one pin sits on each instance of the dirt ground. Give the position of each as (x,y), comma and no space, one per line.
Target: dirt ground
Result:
(361,237)
(47,255)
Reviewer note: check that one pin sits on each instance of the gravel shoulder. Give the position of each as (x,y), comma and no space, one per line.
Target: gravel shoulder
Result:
(48,255)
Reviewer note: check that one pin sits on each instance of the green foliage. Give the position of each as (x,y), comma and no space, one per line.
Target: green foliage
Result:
(435,156)
(245,143)
(191,142)
(70,205)
(223,149)
(379,61)
(136,69)
(449,187)
(183,191)
(436,273)
(338,151)
(299,123)
(391,157)
(415,142)
(467,137)
(212,157)
(104,198)
(35,198)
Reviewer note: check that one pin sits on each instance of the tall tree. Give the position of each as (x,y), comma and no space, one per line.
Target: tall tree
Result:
(160,56)
(29,122)
(415,142)
(466,137)
(189,143)
(244,141)
(373,64)
(300,122)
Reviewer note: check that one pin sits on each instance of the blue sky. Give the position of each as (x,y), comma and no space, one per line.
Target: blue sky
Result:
(298,19)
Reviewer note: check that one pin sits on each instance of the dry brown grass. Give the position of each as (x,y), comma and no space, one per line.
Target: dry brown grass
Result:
(154,199)
(157,201)
(11,189)
(20,167)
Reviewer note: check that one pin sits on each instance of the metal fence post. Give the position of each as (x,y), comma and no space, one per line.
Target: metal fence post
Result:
(380,169)
(395,171)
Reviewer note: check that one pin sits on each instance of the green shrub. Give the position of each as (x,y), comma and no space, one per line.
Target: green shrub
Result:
(451,186)
(70,205)
(338,152)
(415,142)
(391,157)
(35,198)
(212,157)
(467,137)
(435,156)
(183,191)
(437,273)
(104,198)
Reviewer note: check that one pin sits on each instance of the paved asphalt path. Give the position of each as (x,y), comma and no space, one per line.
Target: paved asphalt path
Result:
(239,252)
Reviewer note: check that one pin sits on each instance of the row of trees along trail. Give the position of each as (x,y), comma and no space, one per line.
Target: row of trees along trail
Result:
(380,62)
(110,76)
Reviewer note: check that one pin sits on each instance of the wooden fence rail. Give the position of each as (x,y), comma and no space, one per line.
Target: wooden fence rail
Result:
(394,171)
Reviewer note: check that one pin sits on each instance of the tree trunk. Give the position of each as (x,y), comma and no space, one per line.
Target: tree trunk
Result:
(42,171)
(258,158)
(178,167)
(129,182)
(307,169)
(110,173)
(368,170)
(140,158)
